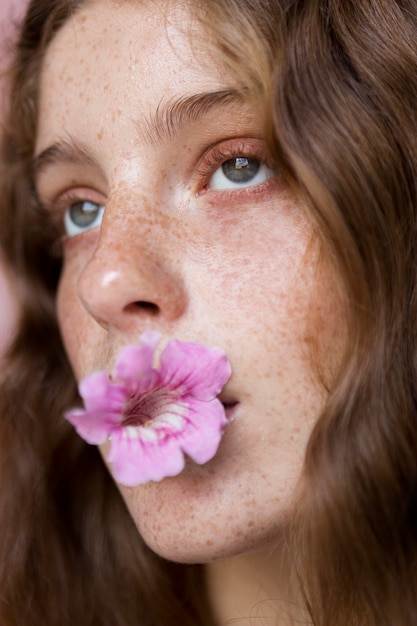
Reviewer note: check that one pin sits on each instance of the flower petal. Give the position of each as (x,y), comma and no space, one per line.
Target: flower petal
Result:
(101,394)
(206,422)
(94,427)
(134,364)
(139,457)
(194,369)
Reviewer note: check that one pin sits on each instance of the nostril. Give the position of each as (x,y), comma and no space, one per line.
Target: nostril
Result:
(148,307)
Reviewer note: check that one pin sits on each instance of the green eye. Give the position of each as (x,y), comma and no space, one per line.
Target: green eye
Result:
(238,172)
(241,169)
(81,216)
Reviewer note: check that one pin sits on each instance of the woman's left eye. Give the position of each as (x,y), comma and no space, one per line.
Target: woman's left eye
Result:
(239,172)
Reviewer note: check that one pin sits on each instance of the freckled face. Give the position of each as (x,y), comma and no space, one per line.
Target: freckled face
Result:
(168,228)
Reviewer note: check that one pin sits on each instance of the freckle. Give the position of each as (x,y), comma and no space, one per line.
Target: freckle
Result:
(209,543)
(100,135)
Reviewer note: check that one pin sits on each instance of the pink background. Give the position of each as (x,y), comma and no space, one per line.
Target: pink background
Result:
(10,11)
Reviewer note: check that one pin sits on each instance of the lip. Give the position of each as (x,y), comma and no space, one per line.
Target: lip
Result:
(230,409)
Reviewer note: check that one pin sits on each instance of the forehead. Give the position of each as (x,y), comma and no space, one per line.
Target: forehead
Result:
(117,52)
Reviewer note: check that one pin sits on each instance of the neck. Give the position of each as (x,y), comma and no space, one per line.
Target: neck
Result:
(251,587)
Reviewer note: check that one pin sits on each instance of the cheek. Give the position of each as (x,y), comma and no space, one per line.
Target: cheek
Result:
(265,296)
(75,324)
(270,263)
(70,320)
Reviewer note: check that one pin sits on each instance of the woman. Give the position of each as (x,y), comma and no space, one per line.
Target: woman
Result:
(238,175)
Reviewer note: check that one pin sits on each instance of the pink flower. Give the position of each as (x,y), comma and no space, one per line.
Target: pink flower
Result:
(153,417)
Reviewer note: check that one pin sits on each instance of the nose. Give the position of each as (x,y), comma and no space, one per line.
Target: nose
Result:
(131,278)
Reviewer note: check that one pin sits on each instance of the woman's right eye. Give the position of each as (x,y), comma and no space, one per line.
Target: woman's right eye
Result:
(82,216)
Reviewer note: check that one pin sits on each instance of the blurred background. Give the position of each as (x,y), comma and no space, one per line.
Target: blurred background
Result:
(11,12)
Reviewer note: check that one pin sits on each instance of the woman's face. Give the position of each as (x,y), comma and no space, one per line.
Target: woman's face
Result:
(138,114)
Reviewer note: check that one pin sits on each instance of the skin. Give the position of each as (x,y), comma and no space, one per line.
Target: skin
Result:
(237,268)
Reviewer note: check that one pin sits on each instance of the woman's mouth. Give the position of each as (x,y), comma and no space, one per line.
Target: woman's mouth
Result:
(156,414)
(230,409)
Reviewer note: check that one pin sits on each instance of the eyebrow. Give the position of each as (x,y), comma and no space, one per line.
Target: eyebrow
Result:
(172,116)
(164,124)
(64,151)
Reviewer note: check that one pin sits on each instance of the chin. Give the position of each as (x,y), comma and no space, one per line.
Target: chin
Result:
(187,519)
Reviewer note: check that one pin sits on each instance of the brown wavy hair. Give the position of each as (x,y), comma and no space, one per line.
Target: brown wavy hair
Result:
(336,81)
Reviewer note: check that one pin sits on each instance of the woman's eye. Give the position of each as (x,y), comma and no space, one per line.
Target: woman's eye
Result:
(239,172)
(81,216)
